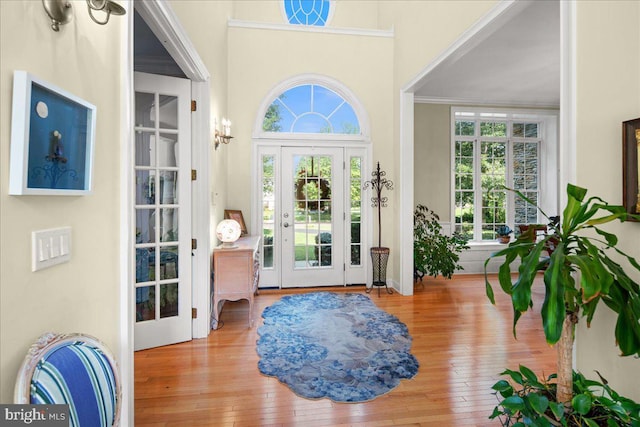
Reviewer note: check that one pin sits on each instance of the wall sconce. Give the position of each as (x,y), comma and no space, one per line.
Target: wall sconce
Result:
(60,11)
(223,137)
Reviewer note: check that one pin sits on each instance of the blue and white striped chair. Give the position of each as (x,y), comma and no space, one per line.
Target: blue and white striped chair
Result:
(73,369)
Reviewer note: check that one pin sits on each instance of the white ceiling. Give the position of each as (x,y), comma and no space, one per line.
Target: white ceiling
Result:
(514,60)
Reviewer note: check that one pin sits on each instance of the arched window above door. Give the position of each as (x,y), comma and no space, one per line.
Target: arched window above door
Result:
(311,109)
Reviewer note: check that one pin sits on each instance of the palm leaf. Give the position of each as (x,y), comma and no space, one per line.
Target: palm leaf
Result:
(553,307)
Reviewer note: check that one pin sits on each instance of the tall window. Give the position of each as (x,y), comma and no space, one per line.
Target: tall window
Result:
(492,151)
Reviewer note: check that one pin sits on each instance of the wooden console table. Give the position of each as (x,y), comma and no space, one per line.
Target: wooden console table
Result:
(235,275)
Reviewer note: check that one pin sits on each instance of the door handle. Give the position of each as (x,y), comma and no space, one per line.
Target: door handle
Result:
(285,225)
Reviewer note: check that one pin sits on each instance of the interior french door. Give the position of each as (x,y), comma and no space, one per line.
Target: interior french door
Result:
(162,210)
(312,217)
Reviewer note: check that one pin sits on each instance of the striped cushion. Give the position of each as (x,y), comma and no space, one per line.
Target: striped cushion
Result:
(79,375)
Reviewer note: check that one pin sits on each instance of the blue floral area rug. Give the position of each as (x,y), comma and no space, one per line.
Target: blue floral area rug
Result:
(335,345)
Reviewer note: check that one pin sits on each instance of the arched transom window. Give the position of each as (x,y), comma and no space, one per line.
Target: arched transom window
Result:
(311,108)
(307,12)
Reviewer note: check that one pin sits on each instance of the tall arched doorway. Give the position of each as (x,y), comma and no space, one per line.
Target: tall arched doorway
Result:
(311,154)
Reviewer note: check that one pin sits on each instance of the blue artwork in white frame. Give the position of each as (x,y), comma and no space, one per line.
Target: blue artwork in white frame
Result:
(52,139)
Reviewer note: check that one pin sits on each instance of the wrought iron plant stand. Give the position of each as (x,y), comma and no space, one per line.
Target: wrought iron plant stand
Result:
(379,254)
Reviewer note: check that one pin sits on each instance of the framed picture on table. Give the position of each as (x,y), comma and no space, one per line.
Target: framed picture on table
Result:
(236,215)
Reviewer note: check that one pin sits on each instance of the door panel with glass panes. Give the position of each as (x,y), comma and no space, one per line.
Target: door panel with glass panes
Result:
(162,191)
(312,219)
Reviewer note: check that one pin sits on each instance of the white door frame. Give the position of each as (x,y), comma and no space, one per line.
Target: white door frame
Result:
(165,25)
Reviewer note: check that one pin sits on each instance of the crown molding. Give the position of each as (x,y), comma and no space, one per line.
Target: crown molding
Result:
(235,23)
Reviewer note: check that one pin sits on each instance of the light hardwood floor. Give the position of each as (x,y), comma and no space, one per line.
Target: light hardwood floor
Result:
(461,341)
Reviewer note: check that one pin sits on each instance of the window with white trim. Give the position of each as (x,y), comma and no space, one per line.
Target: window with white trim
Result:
(307,12)
(311,108)
(493,150)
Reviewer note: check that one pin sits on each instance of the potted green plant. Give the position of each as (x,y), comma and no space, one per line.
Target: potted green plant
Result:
(503,233)
(433,252)
(578,275)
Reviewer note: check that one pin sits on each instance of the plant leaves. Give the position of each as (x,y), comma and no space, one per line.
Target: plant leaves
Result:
(604,276)
(590,423)
(528,374)
(553,308)
(538,402)
(582,403)
(515,376)
(628,332)
(521,291)
(496,413)
(611,239)
(504,272)
(514,403)
(489,291)
(576,192)
(504,388)
(588,279)
(558,409)
(617,212)
(575,197)
(516,316)
(622,413)
(589,309)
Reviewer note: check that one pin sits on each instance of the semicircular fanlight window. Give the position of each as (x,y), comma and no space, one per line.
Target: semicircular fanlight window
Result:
(311,108)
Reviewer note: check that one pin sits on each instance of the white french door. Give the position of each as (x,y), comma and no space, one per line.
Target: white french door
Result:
(162,210)
(312,216)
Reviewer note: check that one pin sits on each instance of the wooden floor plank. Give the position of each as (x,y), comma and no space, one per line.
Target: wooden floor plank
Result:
(461,341)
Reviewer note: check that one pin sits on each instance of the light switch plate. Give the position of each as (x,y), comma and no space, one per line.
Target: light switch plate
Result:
(50,247)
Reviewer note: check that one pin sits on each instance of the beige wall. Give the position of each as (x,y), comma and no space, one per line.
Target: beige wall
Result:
(608,92)
(206,25)
(82,295)
(373,68)
(432,158)
(363,64)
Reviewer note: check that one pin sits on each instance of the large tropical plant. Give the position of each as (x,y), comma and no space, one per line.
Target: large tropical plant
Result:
(578,274)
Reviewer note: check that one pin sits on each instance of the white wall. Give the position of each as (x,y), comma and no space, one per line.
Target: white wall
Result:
(608,92)
(82,295)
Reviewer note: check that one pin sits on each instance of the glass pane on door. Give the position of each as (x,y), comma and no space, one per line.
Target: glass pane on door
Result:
(355,210)
(312,211)
(268,210)
(157,210)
